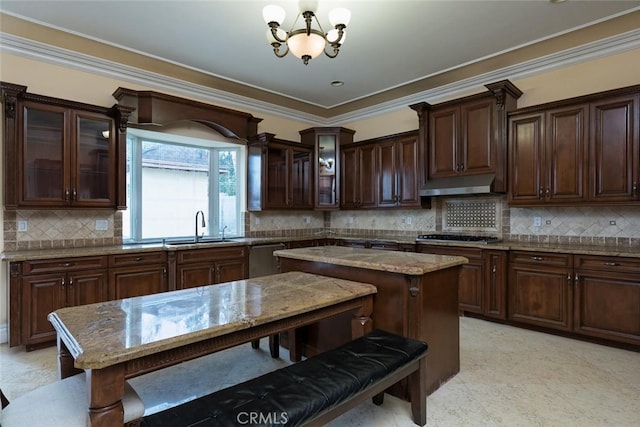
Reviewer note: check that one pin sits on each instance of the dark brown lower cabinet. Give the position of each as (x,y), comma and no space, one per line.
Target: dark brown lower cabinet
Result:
(482,282)
(595,296)
(137,274)
(43,286)
(607,298)
(44,293)
(495,284)
(540,289)
(200,267)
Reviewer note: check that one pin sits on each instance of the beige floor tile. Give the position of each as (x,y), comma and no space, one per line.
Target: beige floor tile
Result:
(509,377)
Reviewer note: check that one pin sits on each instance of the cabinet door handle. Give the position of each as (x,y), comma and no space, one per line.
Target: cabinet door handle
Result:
(70,281)
(547,193)
(569,277)
(62,282)
(612,264)
(537,258)
(66,194)
(540,193)
(635,188)
(74,195)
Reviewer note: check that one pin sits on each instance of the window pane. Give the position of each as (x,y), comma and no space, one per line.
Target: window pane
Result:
(175,185)
(227,167)
(170,177)
(127,226)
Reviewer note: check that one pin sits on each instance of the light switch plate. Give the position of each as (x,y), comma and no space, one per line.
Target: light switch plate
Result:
(22,225)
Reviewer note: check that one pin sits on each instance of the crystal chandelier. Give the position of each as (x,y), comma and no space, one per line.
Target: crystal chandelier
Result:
(306,43)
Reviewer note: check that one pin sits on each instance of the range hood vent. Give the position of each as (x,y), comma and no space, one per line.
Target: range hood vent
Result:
(473,184)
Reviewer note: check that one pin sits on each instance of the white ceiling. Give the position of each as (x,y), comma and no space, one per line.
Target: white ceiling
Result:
(388,44)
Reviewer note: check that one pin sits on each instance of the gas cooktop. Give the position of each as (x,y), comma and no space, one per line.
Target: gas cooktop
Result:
(456,238)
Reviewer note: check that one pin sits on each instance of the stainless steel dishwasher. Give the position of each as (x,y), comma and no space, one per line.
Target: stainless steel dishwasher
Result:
(261,259)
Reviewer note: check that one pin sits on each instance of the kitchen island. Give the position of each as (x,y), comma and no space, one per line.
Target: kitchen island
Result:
(417,297)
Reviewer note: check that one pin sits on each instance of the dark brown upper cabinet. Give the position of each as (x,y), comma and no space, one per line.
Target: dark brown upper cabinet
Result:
(468,136)
(327,142)
(381,173)
(280,174)
(61,153)
(582,150)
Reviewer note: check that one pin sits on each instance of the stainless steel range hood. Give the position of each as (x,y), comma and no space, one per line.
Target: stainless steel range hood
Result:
(473,184)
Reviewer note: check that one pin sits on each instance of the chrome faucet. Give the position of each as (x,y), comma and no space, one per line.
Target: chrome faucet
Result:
(197,237)
(223,228)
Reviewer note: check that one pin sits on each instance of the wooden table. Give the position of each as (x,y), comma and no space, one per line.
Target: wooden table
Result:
(116,340)
(417,297)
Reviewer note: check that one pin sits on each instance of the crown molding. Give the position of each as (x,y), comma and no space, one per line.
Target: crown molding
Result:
(70,59)
(588,52)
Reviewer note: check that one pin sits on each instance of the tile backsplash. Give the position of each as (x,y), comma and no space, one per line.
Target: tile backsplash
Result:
(584,225)
(487,214)
(47,229)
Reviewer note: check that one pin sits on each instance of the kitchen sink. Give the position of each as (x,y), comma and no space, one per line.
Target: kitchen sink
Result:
(199,242)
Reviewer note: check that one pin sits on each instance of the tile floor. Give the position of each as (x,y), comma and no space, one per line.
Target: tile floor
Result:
(509,377)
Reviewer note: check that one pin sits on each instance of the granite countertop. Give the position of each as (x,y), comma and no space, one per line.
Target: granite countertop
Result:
(395,262)
(624,250)
(103,334)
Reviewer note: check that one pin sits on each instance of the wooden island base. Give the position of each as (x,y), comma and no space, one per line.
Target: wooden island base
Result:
(420,306)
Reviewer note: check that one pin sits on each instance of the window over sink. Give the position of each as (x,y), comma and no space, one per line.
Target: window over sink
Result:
(170,177)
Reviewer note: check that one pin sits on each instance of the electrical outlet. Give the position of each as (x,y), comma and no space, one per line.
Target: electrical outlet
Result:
(257,221)
(537,221)
(612,222)
(102,225)
(22,225)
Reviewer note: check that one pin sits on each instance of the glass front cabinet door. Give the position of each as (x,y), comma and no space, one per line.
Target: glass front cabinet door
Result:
(61,153)
(327,141)
(69,157)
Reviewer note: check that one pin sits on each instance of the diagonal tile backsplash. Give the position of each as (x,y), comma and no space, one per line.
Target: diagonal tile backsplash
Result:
(487,214)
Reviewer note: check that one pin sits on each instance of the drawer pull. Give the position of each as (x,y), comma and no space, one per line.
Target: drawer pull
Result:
(66,264)
(139,258)
(537,258)
(611,264)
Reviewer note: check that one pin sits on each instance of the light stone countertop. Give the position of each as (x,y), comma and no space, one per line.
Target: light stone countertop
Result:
(624,250)
(410,263)
(104,334)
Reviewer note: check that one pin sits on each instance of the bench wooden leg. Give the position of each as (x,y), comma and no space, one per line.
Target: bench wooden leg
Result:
(378,399)
(418,393)
(255,344)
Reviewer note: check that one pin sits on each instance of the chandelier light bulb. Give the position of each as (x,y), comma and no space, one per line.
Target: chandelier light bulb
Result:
(273,13)
(308,5)
(339,16)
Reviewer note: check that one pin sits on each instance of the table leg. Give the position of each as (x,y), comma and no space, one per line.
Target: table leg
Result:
(295,345)
(66,366)
(106,390)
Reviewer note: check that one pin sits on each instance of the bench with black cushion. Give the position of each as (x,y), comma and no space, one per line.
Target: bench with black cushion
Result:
(315,390)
